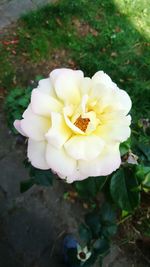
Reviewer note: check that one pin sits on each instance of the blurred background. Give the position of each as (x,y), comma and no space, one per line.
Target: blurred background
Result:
(36,37)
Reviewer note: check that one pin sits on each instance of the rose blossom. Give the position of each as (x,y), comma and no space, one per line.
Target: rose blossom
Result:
(75,124)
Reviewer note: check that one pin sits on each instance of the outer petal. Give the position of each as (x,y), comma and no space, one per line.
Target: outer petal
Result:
(37,154)
(107,162)
(43,104)
(115,130)
(60,162)
(59,132)
(64,71)
(76,176)
(34,126)
(17,125)
(122,101)
(84,147)
(102,78)
(45,86)
(66,83)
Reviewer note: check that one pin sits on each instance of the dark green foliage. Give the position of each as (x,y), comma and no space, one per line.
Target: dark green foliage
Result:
(85,233)
(17,101)
(143,176)
(100,225)
(89,188)
(125,146)
(15,104)
(38,177)
(94,223)
(122,187)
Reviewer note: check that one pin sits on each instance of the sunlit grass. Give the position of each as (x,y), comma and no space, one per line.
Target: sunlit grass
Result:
(98,35)
(138,12)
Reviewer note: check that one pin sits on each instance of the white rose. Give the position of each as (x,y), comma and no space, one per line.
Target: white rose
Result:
(75,124)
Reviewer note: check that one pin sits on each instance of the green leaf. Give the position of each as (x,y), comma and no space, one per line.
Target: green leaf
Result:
(109,230)
(125,146)
(141,172)
(88,188)
(145,149)
(38,177)
(41,177)
(92,219)
(108,218)
(27,184)
(101,246)
(122,187)
(107,213)
(124,214)
(85,233)
(146,182)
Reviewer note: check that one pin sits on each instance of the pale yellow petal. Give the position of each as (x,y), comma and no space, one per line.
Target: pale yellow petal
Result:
(43,104)
(107,162)
(60,162)
(34,126)
(84,147)
(37,154)
(102,78)
(70,124)
(66,83)
(115,130)
(121,101)
(59,132)
(45,86)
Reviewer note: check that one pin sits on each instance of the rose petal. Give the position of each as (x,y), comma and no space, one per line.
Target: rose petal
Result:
(115,130)
(70,124)
(36,153)
(102,78)
(122,101)
(34,126)
(84,147)
(107,162)
(59,132)
(43,104)
(45,86)
(17,125)
(66,83)
(60,162)
(64,71)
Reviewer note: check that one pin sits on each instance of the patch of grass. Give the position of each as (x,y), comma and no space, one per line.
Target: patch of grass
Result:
(112,35)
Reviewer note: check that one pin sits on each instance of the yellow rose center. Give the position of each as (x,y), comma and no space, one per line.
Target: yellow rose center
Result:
(82,123)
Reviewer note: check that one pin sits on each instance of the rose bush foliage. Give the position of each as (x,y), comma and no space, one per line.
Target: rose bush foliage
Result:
(75,124)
